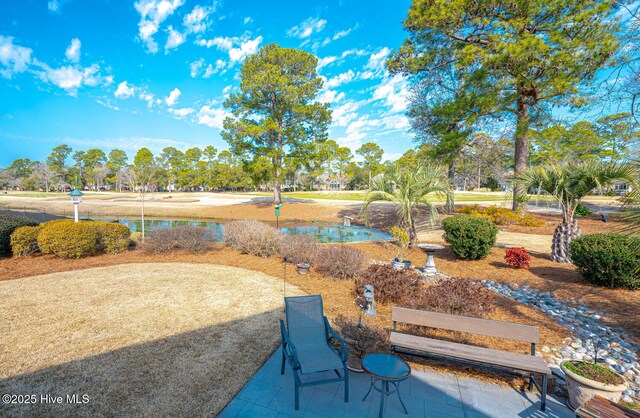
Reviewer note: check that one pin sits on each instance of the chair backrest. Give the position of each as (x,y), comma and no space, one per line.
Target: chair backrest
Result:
(305,320)
(488,327)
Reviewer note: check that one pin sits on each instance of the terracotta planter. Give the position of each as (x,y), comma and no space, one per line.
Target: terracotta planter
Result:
(582,389)
(401,265)
(303,268)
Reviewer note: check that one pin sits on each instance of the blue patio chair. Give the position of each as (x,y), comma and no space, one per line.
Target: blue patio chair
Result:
(306,344)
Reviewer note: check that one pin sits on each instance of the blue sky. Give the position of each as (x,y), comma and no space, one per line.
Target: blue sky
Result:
(126,73)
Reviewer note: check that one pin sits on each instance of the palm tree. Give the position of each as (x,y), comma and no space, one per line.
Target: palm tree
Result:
(568,185)
(408,188)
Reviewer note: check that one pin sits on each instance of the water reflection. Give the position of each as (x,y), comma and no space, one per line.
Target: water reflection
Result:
(325,232)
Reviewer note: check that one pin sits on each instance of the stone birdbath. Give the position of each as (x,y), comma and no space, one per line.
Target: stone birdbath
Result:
(430,249)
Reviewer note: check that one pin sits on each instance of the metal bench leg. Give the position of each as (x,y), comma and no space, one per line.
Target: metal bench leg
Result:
(530,382)
(346,384)
(543,404)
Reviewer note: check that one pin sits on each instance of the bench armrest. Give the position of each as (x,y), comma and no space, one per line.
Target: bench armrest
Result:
(288,348)
(343,350)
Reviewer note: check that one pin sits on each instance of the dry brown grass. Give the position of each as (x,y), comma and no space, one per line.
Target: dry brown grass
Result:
(139,339)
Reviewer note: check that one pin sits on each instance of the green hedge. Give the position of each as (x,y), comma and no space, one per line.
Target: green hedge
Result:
(471,238)
(8,223)
(611,260)
(24,240)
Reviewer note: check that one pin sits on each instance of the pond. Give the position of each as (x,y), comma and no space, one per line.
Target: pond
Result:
(324,232)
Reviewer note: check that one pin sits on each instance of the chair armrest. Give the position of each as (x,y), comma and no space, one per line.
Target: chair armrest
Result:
(288,348)
(343,350)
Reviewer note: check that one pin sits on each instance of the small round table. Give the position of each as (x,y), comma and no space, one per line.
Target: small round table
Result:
(386,369)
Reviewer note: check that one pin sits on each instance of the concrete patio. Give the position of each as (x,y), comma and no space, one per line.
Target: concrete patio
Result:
(426,394)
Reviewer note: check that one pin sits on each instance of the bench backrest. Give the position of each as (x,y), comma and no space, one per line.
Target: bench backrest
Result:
(487,327)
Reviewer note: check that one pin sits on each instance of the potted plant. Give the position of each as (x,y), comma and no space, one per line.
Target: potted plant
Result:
(585,380)
(361,340)
(402,240)
(300,250)
(303,268)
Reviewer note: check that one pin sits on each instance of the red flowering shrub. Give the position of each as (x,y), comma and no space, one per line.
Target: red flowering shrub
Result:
(517,257)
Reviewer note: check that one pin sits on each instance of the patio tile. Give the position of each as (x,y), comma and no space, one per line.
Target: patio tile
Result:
(251,410)
(425,393)
(284,402)
(258,392)
(233,408)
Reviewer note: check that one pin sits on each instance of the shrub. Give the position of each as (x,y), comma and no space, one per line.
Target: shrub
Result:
(299,248)
(582,210)
(194,239)
(114,237)
(362,339)
(253,237)
(501,216)
(471,238)
(517,257)
(68,239)
(611,260)
(340,261)
(8,223)
(391,285)
(24,241)
(456,297)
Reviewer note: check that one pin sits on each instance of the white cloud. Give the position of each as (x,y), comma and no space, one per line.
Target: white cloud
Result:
(147,97)
(344,114)
(173,97)
(211,70)
(246,48)
(212,117)
(341,34)
(198,20)
(107,104)
(323,62)
(377,60)
(330,96)
(55,5)
(393,90)
(124,90)
(152,14)
(340,79)
(247,20)
(14,58)
(182,112)
(174,40)
(71,78)
(73,50)
(307,28)
(227,89)
(238,48)
(195,67)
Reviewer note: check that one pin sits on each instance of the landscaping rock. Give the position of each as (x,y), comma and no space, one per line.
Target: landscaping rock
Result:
(591,334)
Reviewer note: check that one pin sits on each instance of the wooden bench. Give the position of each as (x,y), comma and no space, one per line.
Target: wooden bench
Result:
(522,365)
(599,407)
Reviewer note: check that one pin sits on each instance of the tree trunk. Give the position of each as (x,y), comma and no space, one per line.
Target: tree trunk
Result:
(277,188)
(562,236)
(521,156)
(369,179)
(449,206)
